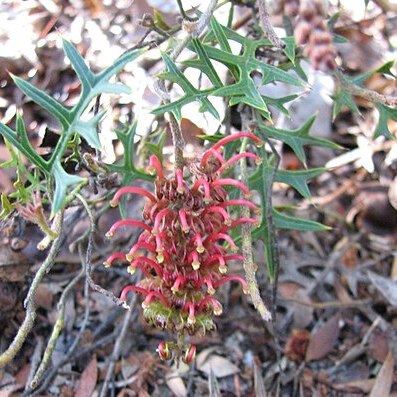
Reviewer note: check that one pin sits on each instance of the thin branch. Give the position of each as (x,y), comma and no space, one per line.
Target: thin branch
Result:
(249,265)
(331,304)
(56,331)
(270,224)
(365,93)
(91,282)
(267,25)
(30,305)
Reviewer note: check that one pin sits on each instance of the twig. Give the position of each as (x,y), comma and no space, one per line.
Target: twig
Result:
(331,304)
(51,373)
(365,93)
(34,362)
(270,224)
(30,305)
(91,282)
(267,25)
(246,238)
(56,330)
(117,348)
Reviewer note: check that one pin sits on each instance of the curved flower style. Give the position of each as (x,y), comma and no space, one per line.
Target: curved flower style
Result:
(180,250)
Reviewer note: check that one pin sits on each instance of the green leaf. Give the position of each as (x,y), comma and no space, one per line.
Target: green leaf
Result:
(191,93)
(385,113)
(86,77)
(297,179)
(297,139)
(127,167)
(204,64)
(6,206)
(45,101)
(289,49)
(117,65)
(343,98)
(21,142)
(88,130)
(70,120)
(63,181)
(242,66)
(278,103)
(283,221)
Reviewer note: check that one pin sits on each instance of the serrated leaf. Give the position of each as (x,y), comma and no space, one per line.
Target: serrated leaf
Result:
(283,221)
(385,113)
(278,103)
(20,141)
(110,88)
(243,66)
(45,101)
(297,139)
(117,65)
(191,93)
(127,167)
(88,130)
(204,64)
(289,49)
(343,98)
(63,181)
(297,179)
(85,75)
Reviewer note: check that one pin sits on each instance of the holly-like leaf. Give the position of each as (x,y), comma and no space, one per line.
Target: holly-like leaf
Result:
(192,94)
(69,119)
(127,167)
(242,66)
(385,113)
(341,99)
(283,221)
(297,179)
(204,63)
(63,181)
(87,129)
(20,141)
(84,74)
(289,49)
(45,101)
(297,139)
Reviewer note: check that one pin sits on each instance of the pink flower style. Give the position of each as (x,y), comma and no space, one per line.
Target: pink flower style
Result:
(181,249)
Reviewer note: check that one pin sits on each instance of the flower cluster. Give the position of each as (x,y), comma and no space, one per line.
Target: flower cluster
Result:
(181,249)
(311,29)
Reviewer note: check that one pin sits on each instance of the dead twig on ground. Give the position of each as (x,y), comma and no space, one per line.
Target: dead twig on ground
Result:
(30,305)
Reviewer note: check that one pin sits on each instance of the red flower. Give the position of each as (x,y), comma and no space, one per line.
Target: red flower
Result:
(184,261)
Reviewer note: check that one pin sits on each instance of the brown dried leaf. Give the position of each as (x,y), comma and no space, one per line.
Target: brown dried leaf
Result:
(385,377)
(87,383)
(385,286)
(322,340)
(219,365)
(175,382)
(43,297)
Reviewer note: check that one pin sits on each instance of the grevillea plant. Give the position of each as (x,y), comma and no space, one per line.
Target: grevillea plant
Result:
(181,250)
